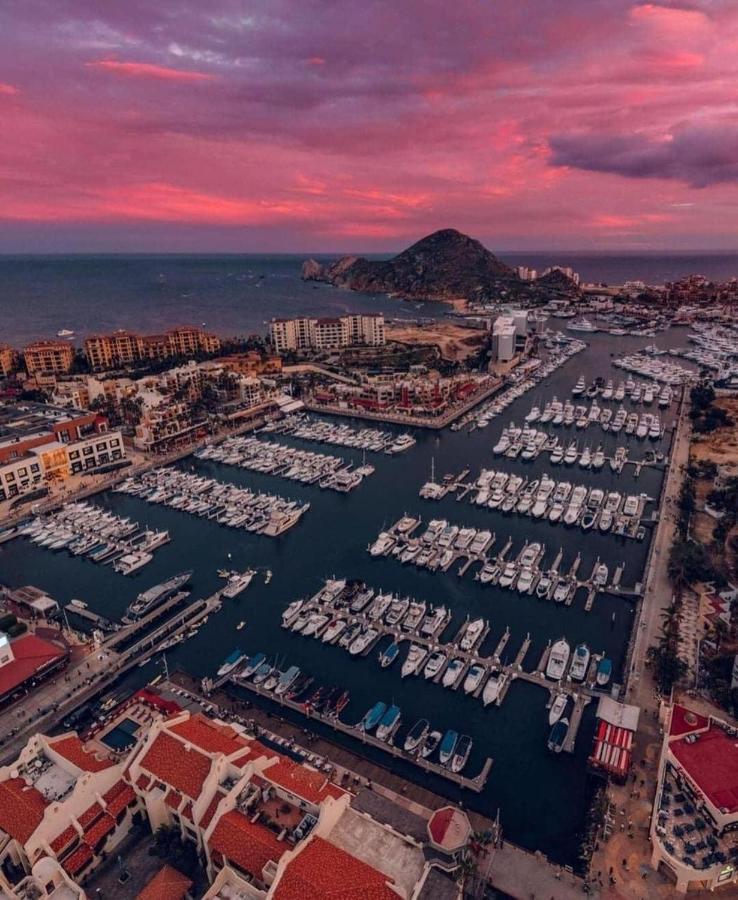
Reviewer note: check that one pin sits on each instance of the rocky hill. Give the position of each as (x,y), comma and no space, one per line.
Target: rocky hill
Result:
(445,265)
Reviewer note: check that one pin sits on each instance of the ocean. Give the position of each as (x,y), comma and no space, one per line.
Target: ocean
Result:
(238,294)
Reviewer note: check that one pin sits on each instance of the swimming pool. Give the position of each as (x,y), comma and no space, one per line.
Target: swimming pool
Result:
(122,736)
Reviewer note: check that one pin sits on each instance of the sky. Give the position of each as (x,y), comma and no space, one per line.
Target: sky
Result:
(296,125)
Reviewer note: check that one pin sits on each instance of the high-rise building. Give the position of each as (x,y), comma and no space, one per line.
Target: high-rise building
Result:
(48,357)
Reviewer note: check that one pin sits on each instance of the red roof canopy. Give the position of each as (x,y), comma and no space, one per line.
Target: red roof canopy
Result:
(712,764)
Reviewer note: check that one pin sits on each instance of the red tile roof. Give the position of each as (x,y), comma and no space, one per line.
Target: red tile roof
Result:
(153,699)
(684,721)
(167,884)
(322,871)
(72,749)
(90,814)
(121,800)
(210,811)
(208,735)
(97,832)
(250,846)
(21,809)
(63,840)
(307,783)
(187,811)
(76,861)
(32,654)
(183,769)
(143,781)
(712,764)
(173,799)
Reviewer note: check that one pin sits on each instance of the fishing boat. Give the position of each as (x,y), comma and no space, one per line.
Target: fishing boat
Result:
(448,746)
(230,662)
(558,659)
(373,716)
(416,736)
(388,723)
(389,655)
(430,744)
(604,671)
(558,735)
(580,662)
(557,709)
(461,753)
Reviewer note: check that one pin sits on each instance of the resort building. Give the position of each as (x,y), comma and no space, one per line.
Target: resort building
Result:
(41,443)
(9,360)
(125,348)
(694,824)
(48,357)
(26,661)
(327,333)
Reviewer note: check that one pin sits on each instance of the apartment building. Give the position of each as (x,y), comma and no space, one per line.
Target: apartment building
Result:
(41,443)
(9,360)
(327,333)
(47,357)
(126,348)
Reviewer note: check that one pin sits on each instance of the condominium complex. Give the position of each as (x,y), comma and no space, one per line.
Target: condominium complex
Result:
(327,333)
(44,357)
(263,825)
(8,360)
(40,443)
(125,348)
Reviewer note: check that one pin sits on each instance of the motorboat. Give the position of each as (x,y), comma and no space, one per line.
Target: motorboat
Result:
(493,688)
(415,657)
(416,736)
(452,673)
(557,735)
(474,678)
(389,655)
(430,744)
(373,716)
(461,753)
(230,663)
(434,664)
(558,660)
(388,723)
(448,746)
(604,671)
(472,634)
(557,709)
(580,662)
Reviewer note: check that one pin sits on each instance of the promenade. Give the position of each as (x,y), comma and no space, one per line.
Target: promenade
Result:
(626,854)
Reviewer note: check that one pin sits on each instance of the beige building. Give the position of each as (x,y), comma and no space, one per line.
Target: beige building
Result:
(8,360)
(48,357)
(327,333)
(125,348)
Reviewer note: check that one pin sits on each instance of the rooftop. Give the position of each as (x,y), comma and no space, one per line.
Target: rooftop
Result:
(322,871)
(712,764)
(449,828)
(181,768)
(167,884)
(684,721)
(22,808)
(249,845)
(73,750)
(32,655)
(209,736)
(302,781)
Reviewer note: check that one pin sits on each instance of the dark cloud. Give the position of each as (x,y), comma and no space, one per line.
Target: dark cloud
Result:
(699,155)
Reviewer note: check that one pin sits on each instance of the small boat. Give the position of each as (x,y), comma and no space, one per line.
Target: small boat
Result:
(580,663)
(461,754)
(430,744)
(267,576)
(453,670)
(558,735)
(434,664)
(496,681)
(415,657)
(373,716)
(389,655)
(388,723)
(253,664)
(286,680)
(448,746)
(240,625)
(604,671)
(474,678)
(416,736)
(557,709)
(558,659)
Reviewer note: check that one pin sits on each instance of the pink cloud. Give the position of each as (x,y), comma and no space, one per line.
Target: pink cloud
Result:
(147,70)
(8,90)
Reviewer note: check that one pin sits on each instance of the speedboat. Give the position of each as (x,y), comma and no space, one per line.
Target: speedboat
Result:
(493,687)
(543,588)
(415,657)
(453,670)
(600,576)
(253,664)
(474,678)
(580,662)
(472,634)
(389,655)
(388,723)
(416,736)
(558,659)
(561,591)
(373,716)
(604,671)
(557,709)
(434,664)
(448,746)
(230,663)
(558,735)
(461,753)
(430,744)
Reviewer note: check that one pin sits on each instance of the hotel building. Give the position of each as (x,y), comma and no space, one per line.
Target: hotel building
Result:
(8,360)
(126,348)
(327,333)
(48,357)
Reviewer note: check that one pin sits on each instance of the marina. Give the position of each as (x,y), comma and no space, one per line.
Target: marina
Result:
(329,472)
(219,501)
(84,530)
(322,431)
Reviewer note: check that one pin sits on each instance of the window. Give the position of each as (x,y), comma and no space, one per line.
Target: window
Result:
(34,467)
(23,471)
(74,454)
(87,451)
(101,446)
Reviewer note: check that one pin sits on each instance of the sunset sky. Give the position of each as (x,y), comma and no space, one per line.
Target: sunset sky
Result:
(298,125)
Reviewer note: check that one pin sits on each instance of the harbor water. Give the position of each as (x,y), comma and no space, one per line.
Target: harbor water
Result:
(542,797)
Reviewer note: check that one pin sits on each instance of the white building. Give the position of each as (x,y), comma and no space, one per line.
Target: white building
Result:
(503,339)
(327,333)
